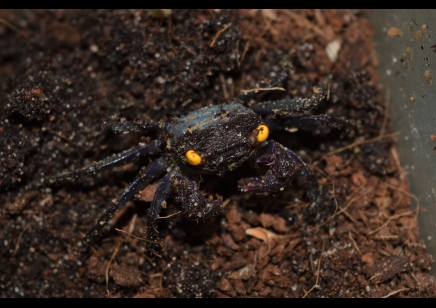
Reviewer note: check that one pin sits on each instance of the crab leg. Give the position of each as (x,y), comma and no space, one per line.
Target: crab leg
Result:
(289,106)
(194,205)
(306,121)
(145,177)
(162,193)
(127,156)
(312,185)
(284,164)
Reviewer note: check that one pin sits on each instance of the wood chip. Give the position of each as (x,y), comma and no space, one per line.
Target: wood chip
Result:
(261,234)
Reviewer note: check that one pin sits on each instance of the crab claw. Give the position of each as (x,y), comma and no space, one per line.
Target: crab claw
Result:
(284,165)
(195,206)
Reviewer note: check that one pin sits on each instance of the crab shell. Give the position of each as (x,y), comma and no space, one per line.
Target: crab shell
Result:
(224,136)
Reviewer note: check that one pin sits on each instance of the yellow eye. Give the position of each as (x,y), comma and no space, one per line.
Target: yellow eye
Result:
(262,133)
(193,158)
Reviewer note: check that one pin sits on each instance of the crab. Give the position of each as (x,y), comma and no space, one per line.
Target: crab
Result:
(211,140)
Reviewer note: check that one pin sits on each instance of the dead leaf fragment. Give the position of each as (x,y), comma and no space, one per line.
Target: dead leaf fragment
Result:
(270,14)
(244,273)
(387,268)
(332,49)
(261,234)
(160,13)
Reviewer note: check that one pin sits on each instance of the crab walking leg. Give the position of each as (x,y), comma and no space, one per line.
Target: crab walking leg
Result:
(124,157)
(312,186)
(289,106)
(306,121)
(194,205)
(143,125)
(163,191)
(145,177)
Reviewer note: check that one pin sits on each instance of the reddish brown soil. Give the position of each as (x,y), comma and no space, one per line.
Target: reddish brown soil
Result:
(64,72)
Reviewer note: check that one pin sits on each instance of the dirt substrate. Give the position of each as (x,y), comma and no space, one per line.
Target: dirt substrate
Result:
(64,73)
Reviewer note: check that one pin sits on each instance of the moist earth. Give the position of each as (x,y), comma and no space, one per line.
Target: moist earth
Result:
(64,73)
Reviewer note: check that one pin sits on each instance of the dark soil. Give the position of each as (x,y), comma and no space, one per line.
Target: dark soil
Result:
(63,73)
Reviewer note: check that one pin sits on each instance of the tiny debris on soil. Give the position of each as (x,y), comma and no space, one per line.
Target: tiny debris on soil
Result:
(65,72)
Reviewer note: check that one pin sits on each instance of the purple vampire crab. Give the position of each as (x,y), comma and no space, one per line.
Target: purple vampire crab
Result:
(210,140)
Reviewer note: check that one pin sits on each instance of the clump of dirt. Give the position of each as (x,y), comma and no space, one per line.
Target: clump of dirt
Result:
(65,72)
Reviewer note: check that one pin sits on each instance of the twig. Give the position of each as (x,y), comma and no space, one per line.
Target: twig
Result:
(226,26)
(339,212)
(349,216)
(139,238)
(189,100)
(62,137)
(262,89)
(108,266)
(417,282)
(246,46)
(227,201)
(170,35)
(131,227)
(354,145)
(171,215)
(9,25)
(155,275)
(267,26)
(336,202)
(354,242)
(306,22)
(390,219)
(418,206)
(364,219)
(19,238)
(385,237)
(375,276)
(223,83)
(318,273)
(395,292)
(334,197)
(132,223)
(190,51)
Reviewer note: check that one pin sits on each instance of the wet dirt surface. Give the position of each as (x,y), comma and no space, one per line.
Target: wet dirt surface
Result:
(63,73)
